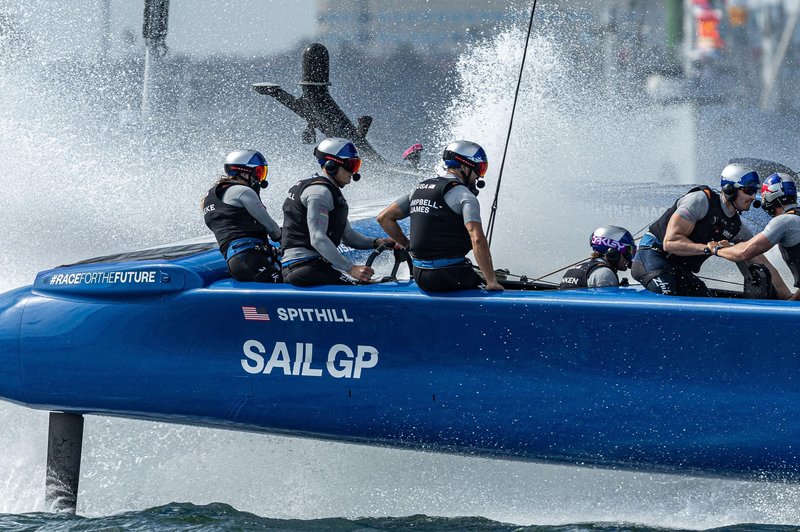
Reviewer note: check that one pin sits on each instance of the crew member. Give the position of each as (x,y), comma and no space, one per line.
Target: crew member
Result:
(232,209)
(779,199)
(672,252)
(315,222)
(446,223)
(613,250)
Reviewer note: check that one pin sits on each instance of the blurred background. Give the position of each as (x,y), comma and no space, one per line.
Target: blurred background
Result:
(619,92)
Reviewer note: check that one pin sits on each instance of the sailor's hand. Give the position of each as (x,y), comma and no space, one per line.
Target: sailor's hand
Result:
(724,243)
(388,242)
(361,273)
(494,285)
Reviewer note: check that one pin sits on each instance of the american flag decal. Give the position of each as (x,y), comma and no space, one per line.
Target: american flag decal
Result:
(255,313)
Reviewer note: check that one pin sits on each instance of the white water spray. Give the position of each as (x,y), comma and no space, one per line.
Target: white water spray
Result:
(574,146)
(108,188)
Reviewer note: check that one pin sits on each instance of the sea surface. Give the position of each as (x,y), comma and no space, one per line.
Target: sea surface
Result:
(222,517)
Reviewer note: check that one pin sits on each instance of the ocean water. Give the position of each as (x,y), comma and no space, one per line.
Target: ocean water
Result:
(83,177)
(222,517)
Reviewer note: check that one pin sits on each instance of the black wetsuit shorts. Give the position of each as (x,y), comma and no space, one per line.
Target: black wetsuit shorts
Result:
(255,265)
(447,279)
(315,272)
(653,270)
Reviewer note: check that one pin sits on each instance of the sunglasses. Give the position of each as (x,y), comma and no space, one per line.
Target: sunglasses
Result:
(629,252)
(481,168)
(352,165)
(261,172)
(750,191)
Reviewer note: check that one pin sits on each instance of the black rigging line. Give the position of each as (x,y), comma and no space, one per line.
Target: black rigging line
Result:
(493,214)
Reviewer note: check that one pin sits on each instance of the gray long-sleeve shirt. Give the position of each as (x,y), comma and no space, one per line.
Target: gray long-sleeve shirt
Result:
(246,197)
(318,201)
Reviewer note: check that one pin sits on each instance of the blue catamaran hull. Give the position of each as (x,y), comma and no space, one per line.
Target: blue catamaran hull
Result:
(614,377)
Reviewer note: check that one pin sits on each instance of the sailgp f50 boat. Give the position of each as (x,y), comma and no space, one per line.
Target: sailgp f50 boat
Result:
(613,377)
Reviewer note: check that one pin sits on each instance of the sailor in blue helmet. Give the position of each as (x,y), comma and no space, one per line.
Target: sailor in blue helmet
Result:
(233,210)
(315,222)
(446,223)
(779,199)
(679,242)
(613,250)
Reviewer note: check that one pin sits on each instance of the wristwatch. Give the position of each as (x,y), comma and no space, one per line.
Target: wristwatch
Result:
(716,249)
(706,250)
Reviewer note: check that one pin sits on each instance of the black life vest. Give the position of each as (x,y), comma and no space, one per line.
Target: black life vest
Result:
(437,232)
(792,255)
(295,232)
(714,226)
(229,223)
(578,276)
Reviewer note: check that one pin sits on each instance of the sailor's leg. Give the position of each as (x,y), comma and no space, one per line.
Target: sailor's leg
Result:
(254,265)
(314,273)
(460,277)
(651,269)
(691,285)
(663,283)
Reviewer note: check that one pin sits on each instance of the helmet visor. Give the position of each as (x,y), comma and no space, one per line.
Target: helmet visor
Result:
(261,172)
(628,251)
(481,168)
(352,165)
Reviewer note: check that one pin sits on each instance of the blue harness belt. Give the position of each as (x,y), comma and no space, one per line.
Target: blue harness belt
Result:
(242,244)
(438,263)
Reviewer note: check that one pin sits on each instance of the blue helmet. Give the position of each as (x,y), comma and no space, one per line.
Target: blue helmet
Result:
(611,240)
(778,190)
(334,152)
(464,152)
(336,146)
(248,164)
(735,177)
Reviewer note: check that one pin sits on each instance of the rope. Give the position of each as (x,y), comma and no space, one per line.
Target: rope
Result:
(737,283)
(637,236)
(558,270)
(522,277)
(493,215)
